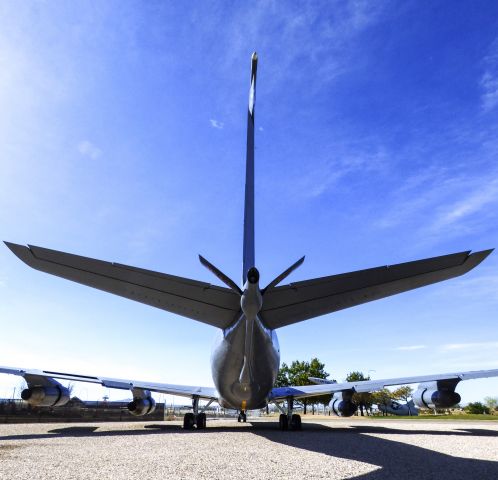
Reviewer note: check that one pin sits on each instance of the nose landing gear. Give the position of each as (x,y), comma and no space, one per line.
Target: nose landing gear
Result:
(242,417)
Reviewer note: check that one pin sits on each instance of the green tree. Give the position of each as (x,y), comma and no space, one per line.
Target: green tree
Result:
(476,408)
(381,398)
(298,374)
(283,376)
(491,403)
(317,370)
(403,393)
(363,400)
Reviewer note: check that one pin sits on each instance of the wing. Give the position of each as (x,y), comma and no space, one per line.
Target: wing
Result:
(282,393)
(217,306)
(311,298)
(43,377)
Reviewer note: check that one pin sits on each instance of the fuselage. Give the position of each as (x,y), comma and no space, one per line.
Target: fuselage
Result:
(244,378)
(246,355)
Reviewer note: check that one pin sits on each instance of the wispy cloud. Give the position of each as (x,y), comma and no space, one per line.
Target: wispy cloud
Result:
(442,202)
(302,32)
(469,346)
(216,124)
(489,79)
(482,195)
(411,347)
(88,149)
(348,160)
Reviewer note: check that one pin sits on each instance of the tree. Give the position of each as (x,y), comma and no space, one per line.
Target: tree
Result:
(403,393)
(491,403)
(363,400)
(283,376)
(382,398)
(298,374)
(317,370)
(476,408)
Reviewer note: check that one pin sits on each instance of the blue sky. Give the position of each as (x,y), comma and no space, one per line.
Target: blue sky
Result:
(122,137)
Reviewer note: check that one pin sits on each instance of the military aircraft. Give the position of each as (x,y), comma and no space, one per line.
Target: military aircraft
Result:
(393,407)
(246,358)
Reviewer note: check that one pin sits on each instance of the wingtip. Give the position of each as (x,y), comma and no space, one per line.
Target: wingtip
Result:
(20,251)
(476,258)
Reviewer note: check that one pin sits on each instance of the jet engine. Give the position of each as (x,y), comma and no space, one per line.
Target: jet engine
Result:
(46,396)
(342,404)
(142,403)
(436,395)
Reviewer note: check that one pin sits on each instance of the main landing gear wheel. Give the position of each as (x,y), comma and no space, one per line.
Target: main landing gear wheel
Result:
(201,421)
(188,421)
(295,423)
(283,422)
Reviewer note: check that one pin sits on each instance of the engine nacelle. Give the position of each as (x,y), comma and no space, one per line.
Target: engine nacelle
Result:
(429,395)
(40,396)
(142,406)
(342,404)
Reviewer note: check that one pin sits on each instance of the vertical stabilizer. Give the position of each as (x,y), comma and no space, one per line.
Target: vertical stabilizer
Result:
(249,260)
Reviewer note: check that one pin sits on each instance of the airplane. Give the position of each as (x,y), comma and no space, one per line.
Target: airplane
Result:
(407,409)
(393,407)
(246,358)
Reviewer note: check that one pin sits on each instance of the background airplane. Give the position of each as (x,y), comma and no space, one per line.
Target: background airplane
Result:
(246,358)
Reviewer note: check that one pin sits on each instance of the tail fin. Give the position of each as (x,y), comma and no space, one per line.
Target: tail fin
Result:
(249,259)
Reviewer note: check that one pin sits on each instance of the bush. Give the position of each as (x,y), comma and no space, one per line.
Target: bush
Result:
(476,408)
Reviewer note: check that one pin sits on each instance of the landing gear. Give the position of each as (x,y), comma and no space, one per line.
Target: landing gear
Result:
(195,419)
(289,420)
(242,417)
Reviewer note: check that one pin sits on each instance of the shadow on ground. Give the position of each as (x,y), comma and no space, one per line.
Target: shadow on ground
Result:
(397,460)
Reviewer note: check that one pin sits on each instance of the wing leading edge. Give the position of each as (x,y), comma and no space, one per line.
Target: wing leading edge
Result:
(281,393)
(41,377)
(300,301)
(216,306)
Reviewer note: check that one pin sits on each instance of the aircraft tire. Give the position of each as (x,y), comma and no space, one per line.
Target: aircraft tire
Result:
(188,421)
(201,421)
(295,423)
(283,422)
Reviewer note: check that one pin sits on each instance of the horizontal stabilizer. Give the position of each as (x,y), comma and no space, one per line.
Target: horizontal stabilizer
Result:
(300,301)
(216,306)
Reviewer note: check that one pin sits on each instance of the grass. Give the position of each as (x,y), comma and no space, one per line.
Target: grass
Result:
(456,416)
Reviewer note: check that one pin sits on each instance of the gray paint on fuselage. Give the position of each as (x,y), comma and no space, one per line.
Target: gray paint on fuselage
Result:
(262,362)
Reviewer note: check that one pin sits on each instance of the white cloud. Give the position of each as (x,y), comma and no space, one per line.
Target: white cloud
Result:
(489,80)
(469,346)
(88,149)
(411,347)
(216,123)
(485,193)
(348,160)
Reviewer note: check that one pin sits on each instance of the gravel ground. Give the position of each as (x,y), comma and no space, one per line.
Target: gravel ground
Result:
(342,448)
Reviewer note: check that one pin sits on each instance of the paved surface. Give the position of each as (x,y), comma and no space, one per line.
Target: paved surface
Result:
(343,448)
